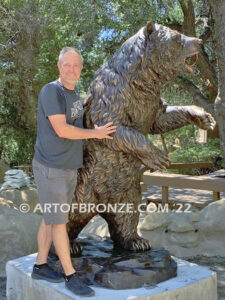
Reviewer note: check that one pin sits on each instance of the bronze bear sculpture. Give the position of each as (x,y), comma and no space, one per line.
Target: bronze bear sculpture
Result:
(126,91)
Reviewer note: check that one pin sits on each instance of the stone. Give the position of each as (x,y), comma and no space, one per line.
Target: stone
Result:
(194,217)
(5,202)
(193,282)
(180,224)
(26,195)
(212,218)
(200,241)
(18,234)
(97,226)
(103,265)
(185,240)
(154,220)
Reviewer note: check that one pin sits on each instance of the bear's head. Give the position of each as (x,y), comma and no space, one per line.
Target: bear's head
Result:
(156,53)
(168,51)
(148,59)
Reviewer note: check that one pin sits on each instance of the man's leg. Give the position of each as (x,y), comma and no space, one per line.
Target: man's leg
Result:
(58,234)
(61,243)
(44,238)
(72,280)
(41,270)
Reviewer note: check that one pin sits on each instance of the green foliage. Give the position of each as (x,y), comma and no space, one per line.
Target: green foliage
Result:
(192,152)
(33,32)
(174,95)
(17,149)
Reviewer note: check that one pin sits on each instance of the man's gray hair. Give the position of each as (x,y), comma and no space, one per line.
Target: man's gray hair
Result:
(69,49)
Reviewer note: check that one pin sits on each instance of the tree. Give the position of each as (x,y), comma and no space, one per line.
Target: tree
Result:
(218,8)
(34,31)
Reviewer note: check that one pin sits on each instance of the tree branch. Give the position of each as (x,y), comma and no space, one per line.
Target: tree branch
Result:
(206,68)
(198,97)
(189,17)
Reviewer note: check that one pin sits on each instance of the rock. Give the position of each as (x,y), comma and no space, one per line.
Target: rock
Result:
(180,224)
(102,264)
(15,179)
(182,244)
(98,226)
(212,218)
(26,195)
(185,240)
(194,217)
(18,234)
(7,203)
(154,220)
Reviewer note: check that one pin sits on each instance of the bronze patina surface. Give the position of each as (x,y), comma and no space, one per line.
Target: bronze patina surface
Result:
(126,90)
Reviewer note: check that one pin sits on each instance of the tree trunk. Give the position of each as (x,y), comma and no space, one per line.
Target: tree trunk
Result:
(218,9)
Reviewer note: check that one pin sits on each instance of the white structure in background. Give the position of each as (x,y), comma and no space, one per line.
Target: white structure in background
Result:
(15,179)
(201,136)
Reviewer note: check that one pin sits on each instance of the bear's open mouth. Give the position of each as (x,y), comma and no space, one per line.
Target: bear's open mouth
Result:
(190,62)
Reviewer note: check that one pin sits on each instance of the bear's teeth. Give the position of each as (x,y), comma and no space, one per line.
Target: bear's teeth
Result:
(188,65)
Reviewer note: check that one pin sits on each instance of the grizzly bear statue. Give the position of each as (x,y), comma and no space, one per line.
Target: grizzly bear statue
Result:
(126,91)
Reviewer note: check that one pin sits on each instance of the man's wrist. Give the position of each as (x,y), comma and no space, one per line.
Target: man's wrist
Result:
(94,134)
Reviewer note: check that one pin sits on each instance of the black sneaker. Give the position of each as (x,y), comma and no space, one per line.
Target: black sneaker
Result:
(46,273)
(75,285)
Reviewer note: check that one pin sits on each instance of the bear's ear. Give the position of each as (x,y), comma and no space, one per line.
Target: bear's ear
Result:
(149,28)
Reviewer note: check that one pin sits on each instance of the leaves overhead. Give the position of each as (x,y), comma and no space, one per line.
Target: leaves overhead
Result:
(32,32)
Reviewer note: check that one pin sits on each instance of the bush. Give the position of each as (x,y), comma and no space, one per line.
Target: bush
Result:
(17,149)
(192,152)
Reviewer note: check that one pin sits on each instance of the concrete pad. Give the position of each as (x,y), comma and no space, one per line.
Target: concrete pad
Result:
(192,282)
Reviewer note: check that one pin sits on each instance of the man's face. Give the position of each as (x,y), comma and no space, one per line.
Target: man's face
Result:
(70,67)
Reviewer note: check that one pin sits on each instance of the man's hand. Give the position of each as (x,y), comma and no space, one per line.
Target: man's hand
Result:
(102,132)
(68,131)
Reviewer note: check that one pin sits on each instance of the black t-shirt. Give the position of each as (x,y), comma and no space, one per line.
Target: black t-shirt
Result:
(50,149)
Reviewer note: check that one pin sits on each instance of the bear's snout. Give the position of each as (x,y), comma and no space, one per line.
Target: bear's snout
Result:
(191,45)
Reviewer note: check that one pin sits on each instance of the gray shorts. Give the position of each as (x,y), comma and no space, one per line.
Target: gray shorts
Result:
(55,191)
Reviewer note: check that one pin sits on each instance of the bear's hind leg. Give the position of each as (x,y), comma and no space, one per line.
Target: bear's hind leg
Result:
(74,227)
(81,213)
(123,225)
(123,231)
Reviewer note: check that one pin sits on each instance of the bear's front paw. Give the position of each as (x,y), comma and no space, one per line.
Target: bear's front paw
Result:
(202,119)
(158,160)
(137,244)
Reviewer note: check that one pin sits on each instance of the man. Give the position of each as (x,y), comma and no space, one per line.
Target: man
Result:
(58,155)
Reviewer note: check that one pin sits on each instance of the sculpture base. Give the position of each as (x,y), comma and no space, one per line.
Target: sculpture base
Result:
(192,282)
(103,265)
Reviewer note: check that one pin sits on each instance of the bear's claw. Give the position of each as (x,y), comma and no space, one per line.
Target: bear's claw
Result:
(75,249)
(137,244)
(202,119)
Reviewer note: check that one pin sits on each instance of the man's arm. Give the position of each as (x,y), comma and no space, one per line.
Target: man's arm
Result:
(67,131)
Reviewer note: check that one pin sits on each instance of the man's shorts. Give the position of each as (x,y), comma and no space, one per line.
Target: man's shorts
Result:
(55,191)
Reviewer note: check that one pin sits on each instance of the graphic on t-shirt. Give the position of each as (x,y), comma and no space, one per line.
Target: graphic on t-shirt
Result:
(77,108)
